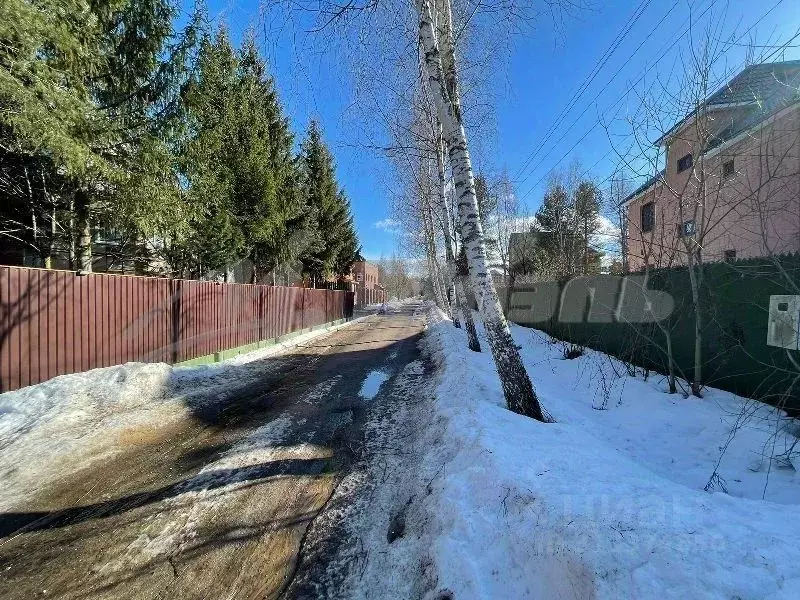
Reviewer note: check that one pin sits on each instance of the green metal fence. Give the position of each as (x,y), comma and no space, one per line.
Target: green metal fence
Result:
(734,310)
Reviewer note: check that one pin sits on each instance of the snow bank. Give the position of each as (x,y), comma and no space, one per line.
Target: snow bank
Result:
(603,503)
(54,428)
(681,438)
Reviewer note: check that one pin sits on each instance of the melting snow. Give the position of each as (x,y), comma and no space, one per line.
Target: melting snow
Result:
(371,385)
(602,504)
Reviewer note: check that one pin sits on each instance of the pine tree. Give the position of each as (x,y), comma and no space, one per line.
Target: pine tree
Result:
(348,248)
(240,167)
(334,222)
(280,222)
(110,118)
(216,238)
(47,115)
(86,86)
(45,63)
(136,92)
(587,214)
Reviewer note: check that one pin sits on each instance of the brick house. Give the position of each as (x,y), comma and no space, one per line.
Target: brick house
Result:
(730,187)
(368,288)
(365,273)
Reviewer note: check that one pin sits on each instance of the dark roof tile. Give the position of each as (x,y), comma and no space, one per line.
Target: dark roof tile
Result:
(650,182)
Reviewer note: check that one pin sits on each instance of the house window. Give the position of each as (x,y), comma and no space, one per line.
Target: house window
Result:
(727,168)
(685,162)
(359,277)
(648,217)
(687,228)
(730,255)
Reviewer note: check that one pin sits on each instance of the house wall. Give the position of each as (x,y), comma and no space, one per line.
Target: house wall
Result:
(366,274)
(754,212)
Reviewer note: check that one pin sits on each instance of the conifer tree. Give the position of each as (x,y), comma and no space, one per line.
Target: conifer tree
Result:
(319,184)
(85,94)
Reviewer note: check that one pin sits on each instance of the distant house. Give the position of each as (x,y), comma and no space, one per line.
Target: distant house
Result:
(365,274)
(365,278)
(730,187)
(112,252)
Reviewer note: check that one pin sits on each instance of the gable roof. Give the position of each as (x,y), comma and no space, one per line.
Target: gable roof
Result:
(758,83)
(770,88)
(644,187)
(764,88)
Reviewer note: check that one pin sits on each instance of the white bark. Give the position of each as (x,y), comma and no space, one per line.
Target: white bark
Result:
(517,387)
(430,250)
(84,246)
(458,283)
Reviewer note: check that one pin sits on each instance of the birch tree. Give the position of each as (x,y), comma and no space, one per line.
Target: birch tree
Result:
(388,36)
(455,278)
(508,220)
(424,209)
(440,68)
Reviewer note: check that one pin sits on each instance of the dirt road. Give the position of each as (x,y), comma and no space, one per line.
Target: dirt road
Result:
(217,504)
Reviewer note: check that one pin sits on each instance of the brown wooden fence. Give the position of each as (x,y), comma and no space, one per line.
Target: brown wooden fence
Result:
(57,322)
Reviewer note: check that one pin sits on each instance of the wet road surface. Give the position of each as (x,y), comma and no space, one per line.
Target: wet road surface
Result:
(217,504)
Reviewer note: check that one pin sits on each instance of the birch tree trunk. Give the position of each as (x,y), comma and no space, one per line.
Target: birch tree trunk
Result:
(517,387)
(430,251)
(459,294)
(463,301)
(453,300)
(83,250)
(71,249)
(694,283)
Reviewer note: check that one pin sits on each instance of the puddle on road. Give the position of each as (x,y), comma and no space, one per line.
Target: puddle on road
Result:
(371,385)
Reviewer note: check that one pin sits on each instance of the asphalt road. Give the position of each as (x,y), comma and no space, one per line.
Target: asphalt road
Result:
(172,515)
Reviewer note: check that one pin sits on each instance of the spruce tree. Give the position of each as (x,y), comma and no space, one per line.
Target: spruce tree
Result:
(321,192)
(47,115)
(85,87)
(348,249)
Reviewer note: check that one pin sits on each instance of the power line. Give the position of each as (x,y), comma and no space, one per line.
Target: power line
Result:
(624,94)
(601,62)
(780,48)
(613,77)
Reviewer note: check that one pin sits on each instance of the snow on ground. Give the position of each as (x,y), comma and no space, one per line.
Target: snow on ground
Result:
(68,422)
(601,504)
(175,528)
(389,305)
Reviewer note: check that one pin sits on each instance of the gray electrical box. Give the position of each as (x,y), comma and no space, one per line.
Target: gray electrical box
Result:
(784,322)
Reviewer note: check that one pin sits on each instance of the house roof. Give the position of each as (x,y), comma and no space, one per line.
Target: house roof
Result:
(647,184)
(769,88)
(757,83)
(764,88)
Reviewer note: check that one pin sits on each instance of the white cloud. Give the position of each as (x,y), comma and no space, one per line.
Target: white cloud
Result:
(388,225)
(606,238)
(607,228)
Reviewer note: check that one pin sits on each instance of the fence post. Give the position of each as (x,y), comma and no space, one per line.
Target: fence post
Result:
(303,309)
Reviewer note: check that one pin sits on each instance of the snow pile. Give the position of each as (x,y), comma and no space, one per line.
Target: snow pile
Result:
(681,438)
(603,503)
(43,428)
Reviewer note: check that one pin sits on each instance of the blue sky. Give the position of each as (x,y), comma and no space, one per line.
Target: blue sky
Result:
(546,67)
